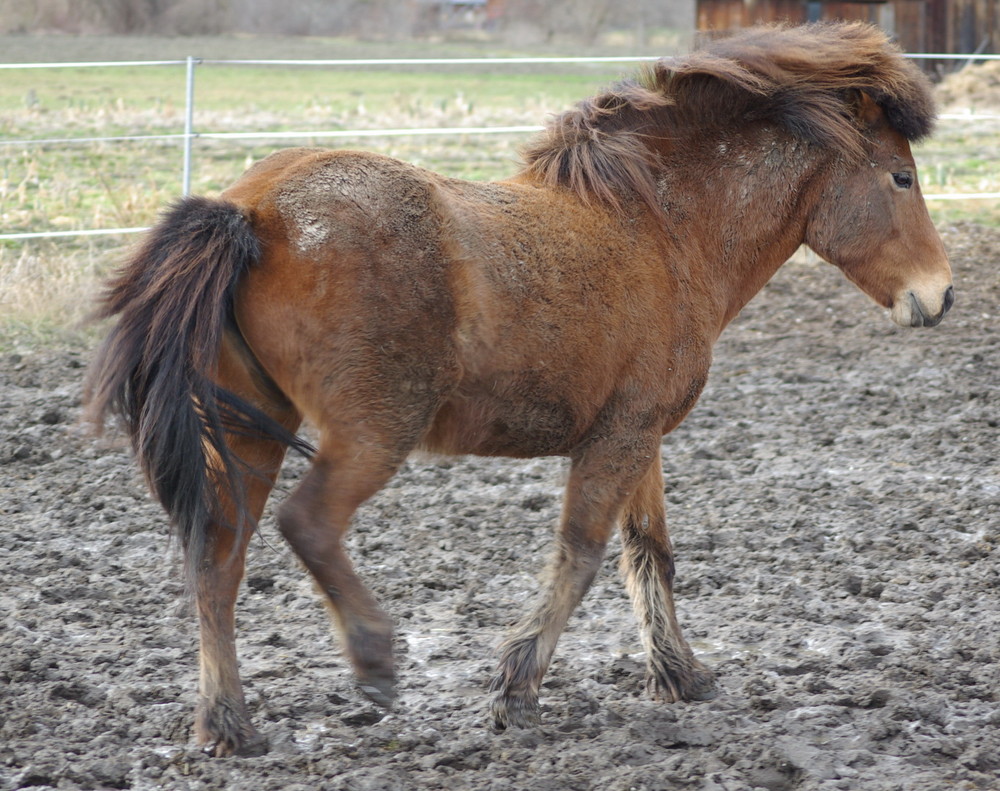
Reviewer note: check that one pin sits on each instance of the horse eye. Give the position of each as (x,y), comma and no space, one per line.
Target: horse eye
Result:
(903,180)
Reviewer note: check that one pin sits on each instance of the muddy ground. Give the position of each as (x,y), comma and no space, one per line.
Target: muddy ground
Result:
(834,503)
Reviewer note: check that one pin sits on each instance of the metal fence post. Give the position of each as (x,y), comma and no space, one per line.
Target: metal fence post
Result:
(188,126)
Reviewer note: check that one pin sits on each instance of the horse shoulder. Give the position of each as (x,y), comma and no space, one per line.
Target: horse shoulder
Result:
(582,301)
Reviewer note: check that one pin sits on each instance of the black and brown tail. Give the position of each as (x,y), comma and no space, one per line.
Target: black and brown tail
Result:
(174,303)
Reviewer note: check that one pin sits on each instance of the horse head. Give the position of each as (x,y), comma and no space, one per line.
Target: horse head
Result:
(871,222)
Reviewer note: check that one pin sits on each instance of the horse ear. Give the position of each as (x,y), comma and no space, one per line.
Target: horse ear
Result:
(864,108)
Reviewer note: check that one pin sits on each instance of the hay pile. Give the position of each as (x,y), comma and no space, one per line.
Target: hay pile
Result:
(975,87)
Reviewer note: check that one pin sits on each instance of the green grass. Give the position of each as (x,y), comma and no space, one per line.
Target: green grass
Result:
(157,94)
(48,286)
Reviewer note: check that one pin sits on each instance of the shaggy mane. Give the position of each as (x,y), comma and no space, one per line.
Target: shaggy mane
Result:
(807,79)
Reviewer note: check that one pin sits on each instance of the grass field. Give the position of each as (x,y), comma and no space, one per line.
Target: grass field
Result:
(46,286)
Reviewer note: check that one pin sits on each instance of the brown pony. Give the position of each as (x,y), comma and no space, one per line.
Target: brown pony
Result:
(570,310)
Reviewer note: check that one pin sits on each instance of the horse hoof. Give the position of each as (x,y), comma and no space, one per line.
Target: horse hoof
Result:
(513,713)
(667,688)
(702,685)
(223,728)
(248,746)
(707,691)
(381,691)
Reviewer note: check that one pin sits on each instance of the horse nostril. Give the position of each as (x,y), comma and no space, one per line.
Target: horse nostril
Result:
(949,299)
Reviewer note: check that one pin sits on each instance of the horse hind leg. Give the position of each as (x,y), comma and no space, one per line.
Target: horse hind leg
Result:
(314,520)
(647,563)
(222,722)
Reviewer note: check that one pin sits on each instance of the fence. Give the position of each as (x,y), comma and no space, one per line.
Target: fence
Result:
(190,135)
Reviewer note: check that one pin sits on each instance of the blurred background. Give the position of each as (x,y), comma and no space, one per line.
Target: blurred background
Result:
(104,119)
(919,25)
(521,21)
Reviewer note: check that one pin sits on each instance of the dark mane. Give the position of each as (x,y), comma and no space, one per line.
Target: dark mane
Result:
(807,79)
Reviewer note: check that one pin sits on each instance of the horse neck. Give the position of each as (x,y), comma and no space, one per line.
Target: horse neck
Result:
(736,206)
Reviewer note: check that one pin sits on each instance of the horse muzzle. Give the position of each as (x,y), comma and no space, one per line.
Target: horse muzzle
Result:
(911,311)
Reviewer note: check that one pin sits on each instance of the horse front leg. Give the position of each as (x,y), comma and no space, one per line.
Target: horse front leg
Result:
(526,653)
(599,482)
(647,563)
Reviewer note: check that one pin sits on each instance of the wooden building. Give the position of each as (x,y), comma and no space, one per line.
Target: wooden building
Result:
(950,26)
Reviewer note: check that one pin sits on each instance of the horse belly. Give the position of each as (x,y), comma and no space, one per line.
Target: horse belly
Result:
(518,422)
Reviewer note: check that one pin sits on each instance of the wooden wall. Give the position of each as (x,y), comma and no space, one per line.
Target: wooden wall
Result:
(953,26)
